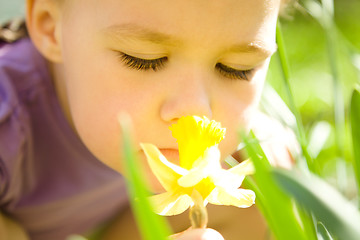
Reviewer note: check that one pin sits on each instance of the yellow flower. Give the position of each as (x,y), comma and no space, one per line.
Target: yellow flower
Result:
(200,176)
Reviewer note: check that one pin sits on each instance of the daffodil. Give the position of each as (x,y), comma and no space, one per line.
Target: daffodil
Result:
(199,178)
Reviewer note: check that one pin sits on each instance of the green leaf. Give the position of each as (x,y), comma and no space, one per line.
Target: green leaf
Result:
(285,219)
(338,215)
(152,226)
(355,132)
(300,132)
(323,232)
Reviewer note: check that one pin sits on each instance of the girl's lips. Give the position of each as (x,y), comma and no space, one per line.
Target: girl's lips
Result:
(171,154)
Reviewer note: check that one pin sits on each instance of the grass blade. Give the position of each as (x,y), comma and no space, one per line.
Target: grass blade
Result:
(286,77)
(152,226)
(355,132)
(323,232)
(278,208)
(327,22)
(338,215)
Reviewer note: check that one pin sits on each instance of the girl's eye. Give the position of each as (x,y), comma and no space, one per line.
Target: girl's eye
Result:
(232,73)
(142,64)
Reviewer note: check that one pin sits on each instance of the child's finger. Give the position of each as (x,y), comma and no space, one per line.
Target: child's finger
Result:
(198,234)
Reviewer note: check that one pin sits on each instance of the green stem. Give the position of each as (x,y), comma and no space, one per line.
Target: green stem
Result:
(286,76)
(339,112)
(198,213)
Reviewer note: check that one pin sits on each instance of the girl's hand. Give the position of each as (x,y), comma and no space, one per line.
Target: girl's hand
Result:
(197,234)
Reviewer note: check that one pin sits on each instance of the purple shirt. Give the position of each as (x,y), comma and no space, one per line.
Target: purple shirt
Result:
(49,182)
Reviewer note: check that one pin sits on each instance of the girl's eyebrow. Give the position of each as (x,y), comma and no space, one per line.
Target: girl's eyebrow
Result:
(140,33)
(134,31)
(257,48)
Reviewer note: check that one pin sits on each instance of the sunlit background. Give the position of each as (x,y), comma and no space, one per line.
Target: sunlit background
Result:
(312,69)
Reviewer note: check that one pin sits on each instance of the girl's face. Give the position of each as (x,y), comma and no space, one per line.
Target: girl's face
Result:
(160,60)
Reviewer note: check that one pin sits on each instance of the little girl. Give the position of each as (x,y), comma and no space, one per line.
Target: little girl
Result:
(85,62)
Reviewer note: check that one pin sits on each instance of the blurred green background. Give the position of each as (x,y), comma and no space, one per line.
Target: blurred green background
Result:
(311,78)
(312,83)
(11,8)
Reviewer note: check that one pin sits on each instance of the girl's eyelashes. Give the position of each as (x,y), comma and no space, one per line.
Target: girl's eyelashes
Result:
(158,63)
(142,64)
(234,74)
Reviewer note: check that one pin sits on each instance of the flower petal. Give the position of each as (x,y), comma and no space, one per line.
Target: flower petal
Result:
(192,178)
(203,167)
(226,179)
(166,172)
(236,197)
(209,159)
(233,178)
(244,168)
(170,203)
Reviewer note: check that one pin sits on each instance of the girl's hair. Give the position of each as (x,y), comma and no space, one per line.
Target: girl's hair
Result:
(13,30)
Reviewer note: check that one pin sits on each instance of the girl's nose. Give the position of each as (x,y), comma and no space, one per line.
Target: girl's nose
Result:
(187,98)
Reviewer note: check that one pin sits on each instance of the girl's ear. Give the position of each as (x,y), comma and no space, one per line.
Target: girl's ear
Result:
(43,23)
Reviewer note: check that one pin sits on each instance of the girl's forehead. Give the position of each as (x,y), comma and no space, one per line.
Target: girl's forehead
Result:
(177,13)
(185,8)
(201,21)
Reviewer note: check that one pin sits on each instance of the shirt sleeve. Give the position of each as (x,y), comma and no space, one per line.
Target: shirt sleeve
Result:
(12,139)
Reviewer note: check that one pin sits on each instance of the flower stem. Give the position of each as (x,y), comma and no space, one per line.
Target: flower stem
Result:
(198,214)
